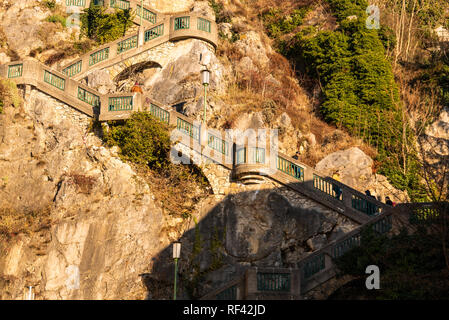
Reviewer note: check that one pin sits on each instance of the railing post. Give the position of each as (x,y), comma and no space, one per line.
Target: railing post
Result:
(295,289)
(347,198)
(203,135)
(141,36)
(251,283)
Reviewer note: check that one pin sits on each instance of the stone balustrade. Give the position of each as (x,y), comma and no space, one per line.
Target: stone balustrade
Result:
(165,28)
(261,284)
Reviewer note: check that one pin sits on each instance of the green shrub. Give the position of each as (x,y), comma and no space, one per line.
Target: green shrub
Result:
(142,139)
(103,27)
(277,23)
(56,18)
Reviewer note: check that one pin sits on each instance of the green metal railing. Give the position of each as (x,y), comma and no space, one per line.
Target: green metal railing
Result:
(121,4)
(127,44)
(78,3)
(54,80)
(383,225)
(182,23)
(314,266)
(290,168)
(147,14)
(204,25)
(88,97)
(154,33)
(228,294)
(75,68)
(188,128)
(240,156)
(217,144)
(326,187)
(120,103)
(273,281)
(344,246)
(15,71)
(99,56)
(257,155)
(364,206)
(160,113)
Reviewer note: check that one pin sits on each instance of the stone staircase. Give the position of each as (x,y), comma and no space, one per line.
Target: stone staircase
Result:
(319,267)
(248,163)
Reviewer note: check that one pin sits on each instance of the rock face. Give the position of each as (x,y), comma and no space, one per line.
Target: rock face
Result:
(250,45)
(101,80)
(169,6)
(105,224)
(355,170)
(179,79)
(354,165)
(269,226)
(23,23)
(437,135)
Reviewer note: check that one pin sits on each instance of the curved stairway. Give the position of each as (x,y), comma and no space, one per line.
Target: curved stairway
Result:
(248,163)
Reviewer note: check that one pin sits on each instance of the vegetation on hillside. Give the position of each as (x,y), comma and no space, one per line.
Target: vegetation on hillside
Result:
(9,94)
(145,141)
(359,91)
(412,267)
(102,27)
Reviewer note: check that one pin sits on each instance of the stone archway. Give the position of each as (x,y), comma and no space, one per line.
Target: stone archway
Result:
(136,68)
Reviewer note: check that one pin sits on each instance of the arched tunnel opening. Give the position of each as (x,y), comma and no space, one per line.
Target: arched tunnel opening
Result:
(137,72)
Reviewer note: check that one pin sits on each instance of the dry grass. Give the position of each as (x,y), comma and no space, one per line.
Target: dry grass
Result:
(9,94)
(13,222)
(169,185)
(83,183)
(274,88)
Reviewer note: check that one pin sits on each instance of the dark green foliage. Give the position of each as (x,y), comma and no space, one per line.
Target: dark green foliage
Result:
(277,23)
(102,27)
(142,139)
(388,38)
(411,266)
(359,90)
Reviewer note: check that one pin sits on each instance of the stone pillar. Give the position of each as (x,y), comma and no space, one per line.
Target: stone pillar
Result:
(27,92)
(308,176)
(203,135)
(295,289)
(251,283)
(141,36)
(347,198)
